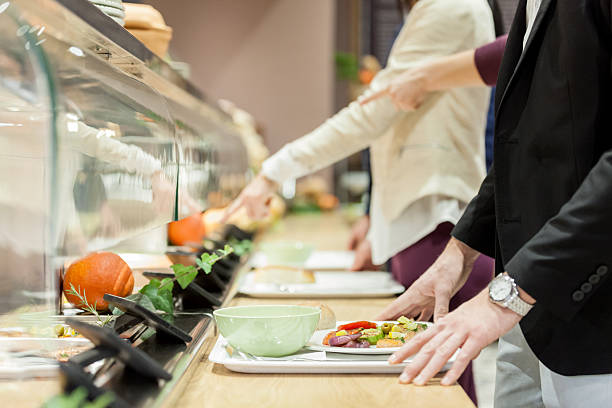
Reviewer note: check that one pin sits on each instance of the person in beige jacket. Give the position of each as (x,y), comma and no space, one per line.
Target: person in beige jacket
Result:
(426,164)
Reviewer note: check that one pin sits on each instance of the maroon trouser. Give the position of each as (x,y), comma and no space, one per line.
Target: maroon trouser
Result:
(413,261)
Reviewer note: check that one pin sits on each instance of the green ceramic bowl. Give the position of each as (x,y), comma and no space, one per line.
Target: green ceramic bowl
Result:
(268,331)
(290,253)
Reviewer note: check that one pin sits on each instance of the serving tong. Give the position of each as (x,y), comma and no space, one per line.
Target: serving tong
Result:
(107,345)
(135,314)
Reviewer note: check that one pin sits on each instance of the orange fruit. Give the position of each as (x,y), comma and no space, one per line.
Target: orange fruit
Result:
(327,202)
(95,275)
(190,229)
(366,76)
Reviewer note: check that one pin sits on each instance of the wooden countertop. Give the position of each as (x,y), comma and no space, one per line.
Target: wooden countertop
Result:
(212,385)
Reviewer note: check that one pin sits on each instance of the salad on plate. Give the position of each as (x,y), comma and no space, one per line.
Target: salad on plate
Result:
(366,334)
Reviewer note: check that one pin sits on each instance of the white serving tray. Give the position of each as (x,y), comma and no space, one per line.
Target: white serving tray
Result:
(327,284)
(319,260)
(331,363)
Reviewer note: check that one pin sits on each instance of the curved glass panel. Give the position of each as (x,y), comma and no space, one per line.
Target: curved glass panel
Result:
(231,167)
(213,161)
(117,158)
(26,170)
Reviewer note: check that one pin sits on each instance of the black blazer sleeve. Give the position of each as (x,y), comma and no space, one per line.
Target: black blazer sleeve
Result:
(476,228)
(565,263)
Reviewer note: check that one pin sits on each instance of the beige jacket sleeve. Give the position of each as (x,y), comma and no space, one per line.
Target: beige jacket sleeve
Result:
(433,28)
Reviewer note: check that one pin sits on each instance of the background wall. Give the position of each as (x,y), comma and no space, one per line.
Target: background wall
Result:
(274,58)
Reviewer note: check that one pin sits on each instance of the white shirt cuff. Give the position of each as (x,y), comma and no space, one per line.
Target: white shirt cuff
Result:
(281,167)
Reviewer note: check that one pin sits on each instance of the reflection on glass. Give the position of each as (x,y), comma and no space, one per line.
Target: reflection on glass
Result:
(213,162)
(90,156)
(117,162)
(26,148)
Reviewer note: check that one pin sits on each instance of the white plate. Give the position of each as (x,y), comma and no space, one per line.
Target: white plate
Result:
(327,284)
(316,343)
(319,260)
(332,363)
(109,3)
(111,11)
(118,20)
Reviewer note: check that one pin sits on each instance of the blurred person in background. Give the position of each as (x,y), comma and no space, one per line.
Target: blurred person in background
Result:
(426,165)
(416,84)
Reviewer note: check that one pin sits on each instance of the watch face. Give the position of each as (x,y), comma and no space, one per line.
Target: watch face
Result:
(500,289)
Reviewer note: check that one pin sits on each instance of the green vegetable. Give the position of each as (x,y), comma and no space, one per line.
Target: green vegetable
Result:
(403,320)
(372,335)
(386,327)
(396,335)
(411,325)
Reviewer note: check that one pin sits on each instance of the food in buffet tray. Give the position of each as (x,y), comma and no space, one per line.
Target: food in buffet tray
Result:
(328,317)
(312,195)
(187,230)
(283,275)
(364,334)
(64,331)
(95,275)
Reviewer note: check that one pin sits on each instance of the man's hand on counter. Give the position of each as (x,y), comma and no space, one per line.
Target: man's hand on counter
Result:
(472,326)
(255,198)
(431,293)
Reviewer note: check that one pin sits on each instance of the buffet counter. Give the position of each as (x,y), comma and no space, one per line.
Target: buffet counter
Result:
(212,385)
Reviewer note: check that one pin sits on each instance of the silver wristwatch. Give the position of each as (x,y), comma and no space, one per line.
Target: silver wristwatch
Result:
(503,292)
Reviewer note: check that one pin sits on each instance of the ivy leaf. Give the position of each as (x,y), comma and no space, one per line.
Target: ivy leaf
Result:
(184,274)
(167,284)
(204,263)
(241,247)
(161,299)
(227,249)
(142,300)
(102,401)
(78,399)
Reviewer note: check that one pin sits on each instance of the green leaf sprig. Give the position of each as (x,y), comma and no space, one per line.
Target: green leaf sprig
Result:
(78,399)
(87,306)
(241,247)
(160,292)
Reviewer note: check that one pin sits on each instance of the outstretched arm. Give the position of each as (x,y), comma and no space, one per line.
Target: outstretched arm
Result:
(477,67)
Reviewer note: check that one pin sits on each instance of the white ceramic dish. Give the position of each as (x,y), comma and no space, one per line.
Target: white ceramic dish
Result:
(109,3)
(111,11)
(316,343)
(118,20)
(327,284)
(330,363)
(318,260)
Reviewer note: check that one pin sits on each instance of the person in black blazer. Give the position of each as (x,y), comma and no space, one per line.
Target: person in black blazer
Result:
(544,211)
